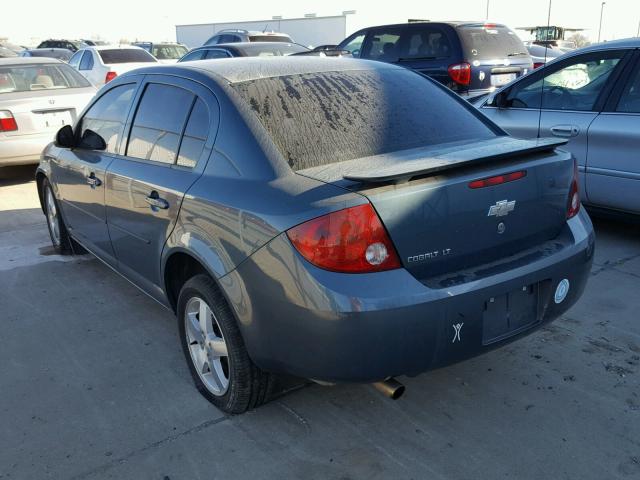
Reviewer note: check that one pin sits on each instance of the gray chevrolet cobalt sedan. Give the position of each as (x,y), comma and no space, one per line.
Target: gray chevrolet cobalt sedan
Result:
(334,219)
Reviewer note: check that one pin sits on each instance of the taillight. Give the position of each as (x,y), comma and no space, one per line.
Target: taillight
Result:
(352,240)
(498,179)
(460,73)
(7,122)
(110,76)
(537,64)
(573,205)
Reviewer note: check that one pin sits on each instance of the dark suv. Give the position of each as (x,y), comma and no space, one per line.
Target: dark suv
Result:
(471,58)
(73,45)
(238,35)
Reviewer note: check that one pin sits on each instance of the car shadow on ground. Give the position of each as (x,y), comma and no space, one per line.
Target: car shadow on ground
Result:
(17,175)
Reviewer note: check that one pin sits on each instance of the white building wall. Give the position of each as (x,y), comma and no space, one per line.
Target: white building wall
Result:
(306,31)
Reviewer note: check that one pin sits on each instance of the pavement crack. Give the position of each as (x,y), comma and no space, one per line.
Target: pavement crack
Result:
(611,265)
(123,459)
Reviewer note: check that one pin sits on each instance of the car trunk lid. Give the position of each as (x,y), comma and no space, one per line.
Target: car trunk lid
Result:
(438,222)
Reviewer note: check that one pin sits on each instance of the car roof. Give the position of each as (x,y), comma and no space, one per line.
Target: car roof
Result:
(452,23)
(27,60)
(114,47)
(245,44)
(242,69)
(622,43)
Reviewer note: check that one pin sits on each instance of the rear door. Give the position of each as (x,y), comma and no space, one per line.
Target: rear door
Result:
(170,136)
(79,173)
(613,163)
(560,100)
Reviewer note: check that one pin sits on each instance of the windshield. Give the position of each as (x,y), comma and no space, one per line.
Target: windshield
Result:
(273,49)
(24,78)
(489,42)
(169,52)
(321,118)
(125,55)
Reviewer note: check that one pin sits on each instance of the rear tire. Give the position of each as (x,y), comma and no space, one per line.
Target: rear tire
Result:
(57,229)
(215,351)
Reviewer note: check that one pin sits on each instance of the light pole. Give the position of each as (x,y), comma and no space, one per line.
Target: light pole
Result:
(600,27)
(487,16)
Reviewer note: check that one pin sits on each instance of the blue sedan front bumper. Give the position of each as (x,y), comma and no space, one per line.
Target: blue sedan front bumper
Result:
(305,321)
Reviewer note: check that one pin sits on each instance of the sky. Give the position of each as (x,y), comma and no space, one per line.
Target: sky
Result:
(114,20)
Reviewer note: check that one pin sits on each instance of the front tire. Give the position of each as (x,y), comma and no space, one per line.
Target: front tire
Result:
(57,229)
(215,351)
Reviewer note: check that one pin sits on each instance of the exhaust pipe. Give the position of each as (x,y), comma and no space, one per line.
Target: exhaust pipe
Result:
(390,387)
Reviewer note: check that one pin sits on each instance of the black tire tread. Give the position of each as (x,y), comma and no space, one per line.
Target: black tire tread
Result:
(249,386)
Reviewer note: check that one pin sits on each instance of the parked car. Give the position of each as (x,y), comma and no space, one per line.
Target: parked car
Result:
(72,45)
(239,35)
(244,49)
(57,53)
(469,58)
(164,52)
(334,219)
(541,55)
(11,46)
(590,97)
(102,64)
(37,97)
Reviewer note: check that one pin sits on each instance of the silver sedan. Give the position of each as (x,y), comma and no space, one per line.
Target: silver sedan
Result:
(37,97)
(591,97)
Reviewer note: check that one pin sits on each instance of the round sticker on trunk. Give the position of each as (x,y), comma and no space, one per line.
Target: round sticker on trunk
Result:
(561,291)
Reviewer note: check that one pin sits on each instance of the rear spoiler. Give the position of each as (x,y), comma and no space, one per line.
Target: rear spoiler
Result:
(413,164)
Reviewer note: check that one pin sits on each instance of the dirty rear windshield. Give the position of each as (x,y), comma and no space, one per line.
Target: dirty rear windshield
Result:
(322,118)
(125,55)
(488,42)
(269,38)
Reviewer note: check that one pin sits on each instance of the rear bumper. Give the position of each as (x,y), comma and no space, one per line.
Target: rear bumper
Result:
(23,149)
(312,323)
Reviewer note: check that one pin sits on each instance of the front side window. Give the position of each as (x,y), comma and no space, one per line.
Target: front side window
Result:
(354,45)
(107,116)
(573,87)
(157,127)
(197,55)
(383,46)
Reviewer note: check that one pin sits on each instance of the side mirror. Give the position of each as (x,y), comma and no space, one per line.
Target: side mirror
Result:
(501,99)
(65,137)
(92,141)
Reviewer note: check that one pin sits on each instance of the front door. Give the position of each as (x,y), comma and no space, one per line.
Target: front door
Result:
(79,173)
(613,163)
(170,138)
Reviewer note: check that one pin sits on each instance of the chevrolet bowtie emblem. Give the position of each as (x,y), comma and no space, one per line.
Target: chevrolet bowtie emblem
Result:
(501,208)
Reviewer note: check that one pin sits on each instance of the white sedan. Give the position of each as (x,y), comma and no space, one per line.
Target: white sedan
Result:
(102,63)
(37,97)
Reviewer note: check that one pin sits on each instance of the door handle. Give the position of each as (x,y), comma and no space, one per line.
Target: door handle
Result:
(93,181)
(156,202)
(565,131)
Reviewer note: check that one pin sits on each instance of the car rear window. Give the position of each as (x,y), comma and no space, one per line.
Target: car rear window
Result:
(322,118)
(125,55)
(24,78)
(274,49)
(270,38)
(169,52)
(486,42)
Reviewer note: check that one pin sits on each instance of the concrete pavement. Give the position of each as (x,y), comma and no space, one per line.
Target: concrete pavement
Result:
(93,385)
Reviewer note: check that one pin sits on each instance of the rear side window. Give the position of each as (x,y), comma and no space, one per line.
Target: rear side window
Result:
(158,124)
(216,54)
(107,116)
(197,55)
(322,118)
(195,135)
(87,61)
(74,61)
(486,42)
(125,55)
